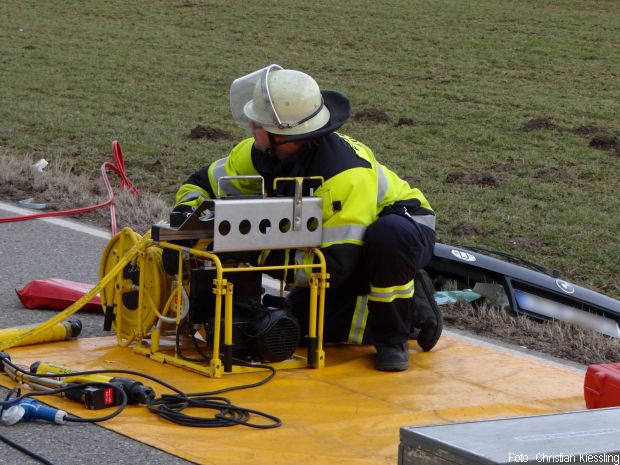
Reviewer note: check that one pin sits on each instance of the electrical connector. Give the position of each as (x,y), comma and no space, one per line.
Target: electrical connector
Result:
(137,393)
(30,409)
(94,397)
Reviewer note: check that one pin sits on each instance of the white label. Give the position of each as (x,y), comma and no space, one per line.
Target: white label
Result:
(467,257)
(566,287)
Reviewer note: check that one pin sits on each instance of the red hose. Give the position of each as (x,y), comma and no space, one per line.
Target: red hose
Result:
(117,167)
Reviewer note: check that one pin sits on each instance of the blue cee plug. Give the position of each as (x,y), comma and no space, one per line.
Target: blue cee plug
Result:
(30,409)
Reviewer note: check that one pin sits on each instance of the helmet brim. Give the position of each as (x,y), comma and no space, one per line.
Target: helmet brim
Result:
(339,112)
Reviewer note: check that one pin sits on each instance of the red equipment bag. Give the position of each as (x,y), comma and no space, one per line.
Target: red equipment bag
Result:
(57,294)
(602,386)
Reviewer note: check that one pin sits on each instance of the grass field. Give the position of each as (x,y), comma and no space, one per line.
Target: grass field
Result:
(502,100)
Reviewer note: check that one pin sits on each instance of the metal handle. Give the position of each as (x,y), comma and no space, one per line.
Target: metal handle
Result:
(299,182)
(255,177)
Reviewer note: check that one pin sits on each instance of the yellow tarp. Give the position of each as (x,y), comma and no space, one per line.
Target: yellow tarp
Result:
(346,413)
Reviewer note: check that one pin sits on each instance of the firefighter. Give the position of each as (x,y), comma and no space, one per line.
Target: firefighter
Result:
(378,231)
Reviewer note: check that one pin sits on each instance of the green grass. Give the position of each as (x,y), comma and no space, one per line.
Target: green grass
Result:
(76,74)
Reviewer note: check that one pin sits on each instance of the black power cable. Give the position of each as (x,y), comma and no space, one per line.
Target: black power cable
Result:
(170,406)
(25,450)
(203,357)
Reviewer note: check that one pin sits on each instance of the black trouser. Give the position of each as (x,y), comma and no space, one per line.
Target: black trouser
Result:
(395,247)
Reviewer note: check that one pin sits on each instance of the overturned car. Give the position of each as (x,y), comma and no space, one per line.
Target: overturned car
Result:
(525,287)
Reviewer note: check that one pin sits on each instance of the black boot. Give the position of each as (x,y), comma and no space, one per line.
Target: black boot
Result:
(394,357)
(427,318)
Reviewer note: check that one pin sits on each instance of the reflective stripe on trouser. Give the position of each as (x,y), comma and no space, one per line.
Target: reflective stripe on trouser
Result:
(385,295)
(358,324)
(388,294)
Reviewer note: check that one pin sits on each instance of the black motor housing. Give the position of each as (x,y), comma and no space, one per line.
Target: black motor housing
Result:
(263,334)
(270,335)
(261,331)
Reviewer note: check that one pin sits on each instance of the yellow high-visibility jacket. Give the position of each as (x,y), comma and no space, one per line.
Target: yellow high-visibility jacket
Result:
(356,190)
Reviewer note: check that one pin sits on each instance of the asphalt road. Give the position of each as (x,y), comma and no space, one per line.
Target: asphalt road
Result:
(63,249)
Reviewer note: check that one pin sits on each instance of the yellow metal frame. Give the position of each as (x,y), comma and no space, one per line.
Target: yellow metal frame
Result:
(151,346)
(223,290)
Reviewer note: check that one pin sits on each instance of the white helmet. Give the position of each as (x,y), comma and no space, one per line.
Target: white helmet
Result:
(285,102)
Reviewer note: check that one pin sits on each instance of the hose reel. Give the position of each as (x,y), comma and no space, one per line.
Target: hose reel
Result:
(120,298)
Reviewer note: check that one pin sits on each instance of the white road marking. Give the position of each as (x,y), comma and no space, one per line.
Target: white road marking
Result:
(57,221)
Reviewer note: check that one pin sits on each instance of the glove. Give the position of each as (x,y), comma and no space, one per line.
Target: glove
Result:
(178,216)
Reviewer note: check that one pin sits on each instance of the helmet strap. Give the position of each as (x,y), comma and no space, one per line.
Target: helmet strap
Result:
(273,145)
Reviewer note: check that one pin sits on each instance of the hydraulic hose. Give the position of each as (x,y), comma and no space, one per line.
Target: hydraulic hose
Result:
(117,167)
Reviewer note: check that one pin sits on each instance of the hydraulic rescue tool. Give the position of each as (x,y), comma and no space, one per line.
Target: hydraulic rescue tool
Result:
(95,391)
(187,316)
(136,392)
(58,332)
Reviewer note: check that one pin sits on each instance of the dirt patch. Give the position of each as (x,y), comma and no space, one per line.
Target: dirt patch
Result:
(605,142)
(537,124)
(523,243)
(467,229)
(552,173)
(473,178)
(206,132)
(589,130)
(372,115)
(405,122)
